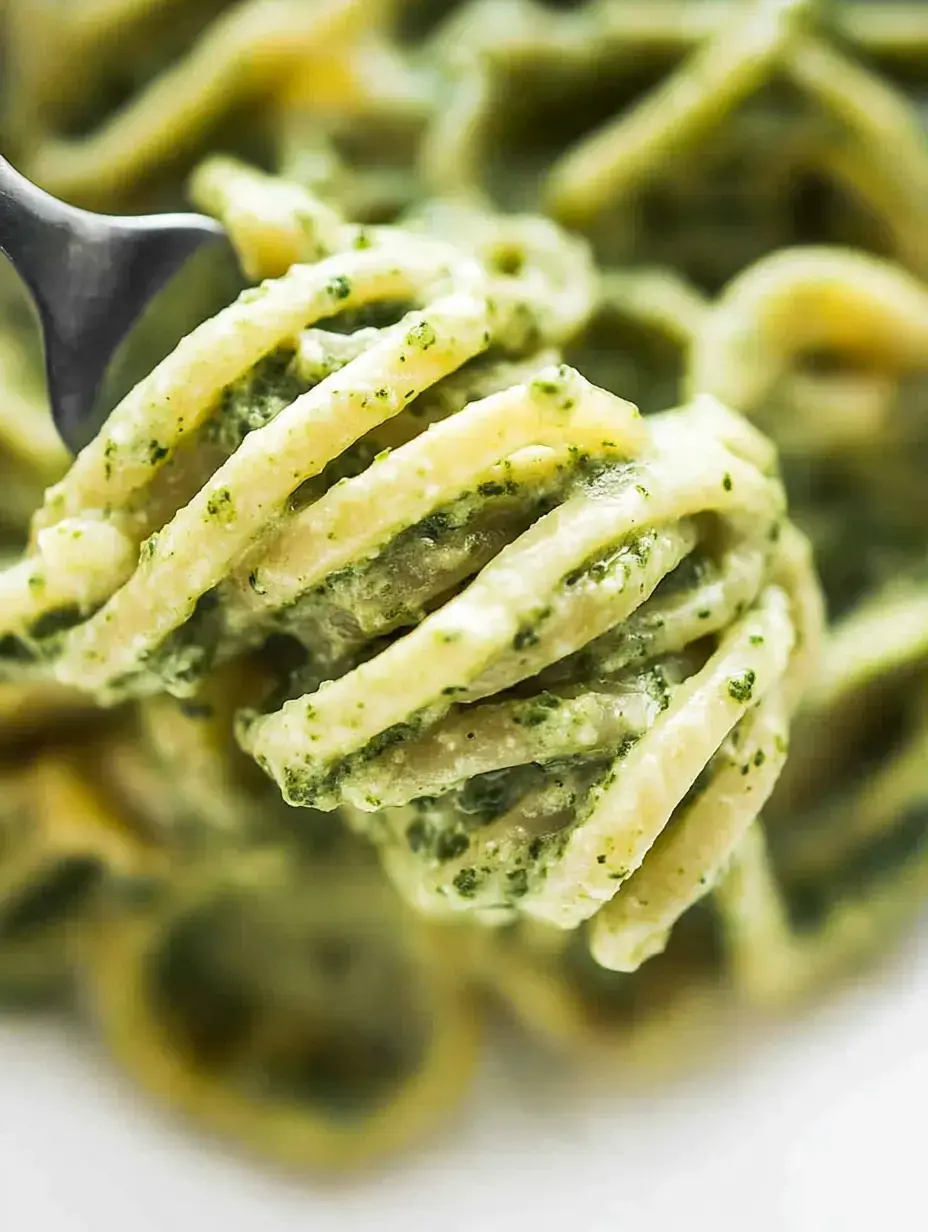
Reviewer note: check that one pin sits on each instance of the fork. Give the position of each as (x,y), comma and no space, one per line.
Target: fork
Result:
(113,295)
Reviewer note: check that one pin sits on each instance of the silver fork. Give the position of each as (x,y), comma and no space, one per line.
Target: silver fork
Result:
(113,295)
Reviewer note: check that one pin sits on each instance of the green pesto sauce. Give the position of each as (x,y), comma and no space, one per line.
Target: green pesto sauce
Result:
(422,336)
(345,1022)
(537,711)
(741,688)
(878,861)
(528,633)
(54,897)
(554,389)
(148,548)
(319,788)
(339,288)
(56,620)
(657,686)
(221,506)
(256,399)
(14,651)
(466,882)
(395,586)
(188,653)
(612,562)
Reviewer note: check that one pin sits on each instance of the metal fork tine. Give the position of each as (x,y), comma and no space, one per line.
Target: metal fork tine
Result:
(91,278)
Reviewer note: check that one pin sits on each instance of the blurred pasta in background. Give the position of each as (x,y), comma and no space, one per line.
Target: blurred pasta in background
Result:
(516,598)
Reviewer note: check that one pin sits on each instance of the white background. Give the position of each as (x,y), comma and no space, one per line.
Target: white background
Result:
(809,1125)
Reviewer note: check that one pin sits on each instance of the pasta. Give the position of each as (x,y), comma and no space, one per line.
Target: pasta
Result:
(644,1026)
(355,1039)
(162,81)
(442,617)
(822,345)
(60,839)
(827,354)
(733,128)
(637,678)
(244,55)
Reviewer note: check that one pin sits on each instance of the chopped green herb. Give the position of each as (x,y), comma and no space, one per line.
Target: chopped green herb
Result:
(147,550)
(466,882)
(339,287)
(422,336)
(741,687)
(221,506)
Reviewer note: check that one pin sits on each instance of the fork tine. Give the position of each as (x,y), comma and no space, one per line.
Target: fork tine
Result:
(91,278)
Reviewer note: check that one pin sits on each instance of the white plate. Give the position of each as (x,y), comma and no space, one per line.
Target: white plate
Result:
(817,1126)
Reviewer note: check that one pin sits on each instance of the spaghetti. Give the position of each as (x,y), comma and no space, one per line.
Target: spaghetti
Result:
(384,541)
